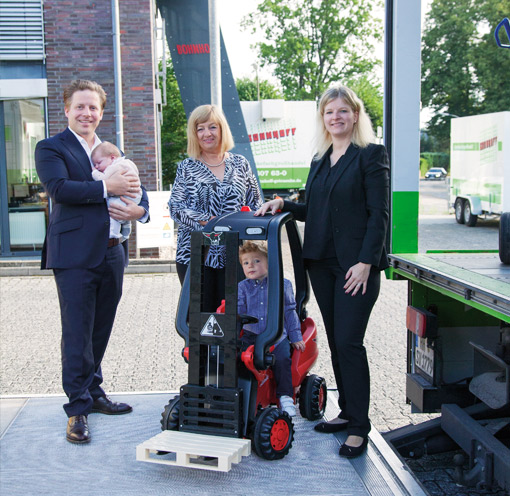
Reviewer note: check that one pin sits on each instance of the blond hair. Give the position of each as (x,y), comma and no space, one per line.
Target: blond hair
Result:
(82,85)
(206,113)
(250,246)
(105,149)
(362,134)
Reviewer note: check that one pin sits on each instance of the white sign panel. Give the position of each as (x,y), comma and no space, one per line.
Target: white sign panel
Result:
(281,135)
(159,231)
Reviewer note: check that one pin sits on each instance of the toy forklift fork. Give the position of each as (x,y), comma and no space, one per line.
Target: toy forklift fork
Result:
(211,402)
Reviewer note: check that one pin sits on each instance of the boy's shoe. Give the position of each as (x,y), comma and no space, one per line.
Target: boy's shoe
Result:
(287,405)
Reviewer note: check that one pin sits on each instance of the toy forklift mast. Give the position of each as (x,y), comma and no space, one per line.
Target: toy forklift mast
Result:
(210,402)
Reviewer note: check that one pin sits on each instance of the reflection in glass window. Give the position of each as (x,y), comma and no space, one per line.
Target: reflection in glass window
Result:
(27,201)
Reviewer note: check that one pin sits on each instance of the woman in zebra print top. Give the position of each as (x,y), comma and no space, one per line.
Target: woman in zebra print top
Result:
(210,182)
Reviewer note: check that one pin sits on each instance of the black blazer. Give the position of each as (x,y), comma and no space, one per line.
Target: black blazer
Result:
(79,225)
(358,205)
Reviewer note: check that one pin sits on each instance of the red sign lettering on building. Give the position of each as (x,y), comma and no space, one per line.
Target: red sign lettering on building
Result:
(192,48)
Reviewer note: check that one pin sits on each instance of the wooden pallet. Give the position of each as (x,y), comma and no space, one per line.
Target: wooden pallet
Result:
(185,449)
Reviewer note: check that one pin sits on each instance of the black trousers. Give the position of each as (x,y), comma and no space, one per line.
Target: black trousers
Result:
(345,319)
(88,304)
(282,368)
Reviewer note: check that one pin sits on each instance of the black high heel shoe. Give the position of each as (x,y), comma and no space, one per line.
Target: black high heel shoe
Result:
(328,427)
(353,451)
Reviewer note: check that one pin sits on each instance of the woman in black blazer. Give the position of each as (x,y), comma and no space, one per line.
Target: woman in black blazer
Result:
(346,212)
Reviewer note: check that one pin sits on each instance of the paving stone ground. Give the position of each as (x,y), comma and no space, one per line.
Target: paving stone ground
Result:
(144,353)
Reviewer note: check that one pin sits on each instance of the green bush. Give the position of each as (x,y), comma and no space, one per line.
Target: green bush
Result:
(424,166)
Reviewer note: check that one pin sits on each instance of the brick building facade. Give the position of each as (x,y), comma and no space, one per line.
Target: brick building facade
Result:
(79,44)
(78,39)
(44,45)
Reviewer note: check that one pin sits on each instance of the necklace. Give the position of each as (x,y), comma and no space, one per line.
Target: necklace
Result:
(211,165)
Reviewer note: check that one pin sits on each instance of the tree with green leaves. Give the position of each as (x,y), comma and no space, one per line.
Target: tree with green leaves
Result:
(313,43)
(492,62)
(370,94)
(173,129)
(464,72)
(249,90)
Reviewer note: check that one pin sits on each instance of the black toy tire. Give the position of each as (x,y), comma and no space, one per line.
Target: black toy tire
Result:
(313,397)
(469,218)
(170,415)
(459,210)
(273,434)
(504,238)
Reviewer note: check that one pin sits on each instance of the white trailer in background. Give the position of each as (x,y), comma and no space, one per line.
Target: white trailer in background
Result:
(480,166)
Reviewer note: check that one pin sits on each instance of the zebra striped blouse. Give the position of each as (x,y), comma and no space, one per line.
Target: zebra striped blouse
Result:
(197,195)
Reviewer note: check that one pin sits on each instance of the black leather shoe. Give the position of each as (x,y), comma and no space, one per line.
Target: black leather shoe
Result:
(105,405)
(351,451)
(78,429)
(328,427)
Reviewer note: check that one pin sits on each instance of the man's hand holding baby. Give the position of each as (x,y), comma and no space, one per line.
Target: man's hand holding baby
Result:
(123,183)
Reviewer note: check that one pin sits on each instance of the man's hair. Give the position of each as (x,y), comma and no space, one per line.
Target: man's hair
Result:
(104,149)
(205,113)
(81,85)
(250,246)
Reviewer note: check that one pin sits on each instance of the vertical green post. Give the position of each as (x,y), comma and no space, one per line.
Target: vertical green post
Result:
(404,222)
(405,125)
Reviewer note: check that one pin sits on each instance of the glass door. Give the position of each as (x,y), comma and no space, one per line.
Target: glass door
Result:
(24,204)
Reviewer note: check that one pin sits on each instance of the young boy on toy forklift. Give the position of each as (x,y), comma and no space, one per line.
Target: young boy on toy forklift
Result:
(252,300)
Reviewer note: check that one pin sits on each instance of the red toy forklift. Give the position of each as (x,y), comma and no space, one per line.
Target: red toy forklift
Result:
(230,391)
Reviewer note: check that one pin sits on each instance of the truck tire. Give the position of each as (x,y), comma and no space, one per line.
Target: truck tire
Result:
(504,238)
(459,210)
(469,218)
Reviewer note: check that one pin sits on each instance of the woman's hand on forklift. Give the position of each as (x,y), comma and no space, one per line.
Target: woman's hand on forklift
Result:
(272,206)
(299,345)
(205,222)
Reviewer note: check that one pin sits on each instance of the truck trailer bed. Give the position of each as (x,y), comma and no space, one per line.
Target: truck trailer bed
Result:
(477,279)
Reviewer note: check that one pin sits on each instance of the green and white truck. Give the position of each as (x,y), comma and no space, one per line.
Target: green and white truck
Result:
(458,312)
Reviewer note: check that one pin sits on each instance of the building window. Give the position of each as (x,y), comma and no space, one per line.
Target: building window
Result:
(25,201)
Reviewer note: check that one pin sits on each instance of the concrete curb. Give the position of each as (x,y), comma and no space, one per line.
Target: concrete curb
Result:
(20,268)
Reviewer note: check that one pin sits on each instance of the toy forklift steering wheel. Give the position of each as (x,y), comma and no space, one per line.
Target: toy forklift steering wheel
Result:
(505,23)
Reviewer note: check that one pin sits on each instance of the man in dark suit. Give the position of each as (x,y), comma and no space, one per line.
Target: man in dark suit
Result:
(87,262)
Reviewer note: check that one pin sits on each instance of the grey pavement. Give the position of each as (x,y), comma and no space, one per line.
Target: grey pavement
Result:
(144,353)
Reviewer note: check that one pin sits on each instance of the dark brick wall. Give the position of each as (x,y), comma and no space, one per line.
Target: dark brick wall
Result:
(79,44)
(136,23)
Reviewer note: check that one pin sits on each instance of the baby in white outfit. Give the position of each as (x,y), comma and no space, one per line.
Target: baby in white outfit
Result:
(108,160)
